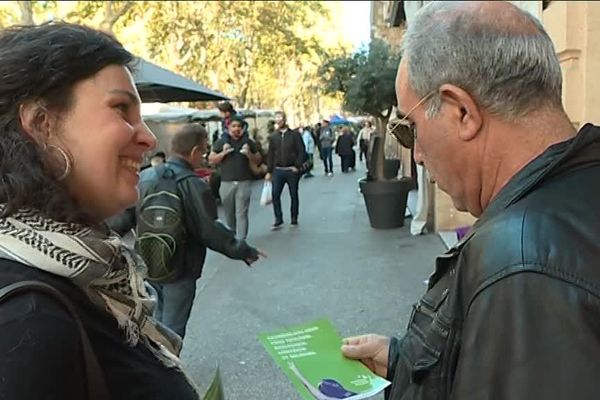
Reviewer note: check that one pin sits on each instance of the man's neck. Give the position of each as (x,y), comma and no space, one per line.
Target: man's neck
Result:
(186,160)
(516,145)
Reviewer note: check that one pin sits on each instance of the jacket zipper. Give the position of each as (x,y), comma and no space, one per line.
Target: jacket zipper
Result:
(281,149)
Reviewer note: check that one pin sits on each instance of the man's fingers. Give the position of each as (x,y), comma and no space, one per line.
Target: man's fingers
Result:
(262,253)
(355,351)
(353,340)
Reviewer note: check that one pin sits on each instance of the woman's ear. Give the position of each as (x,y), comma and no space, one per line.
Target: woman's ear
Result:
(35,121)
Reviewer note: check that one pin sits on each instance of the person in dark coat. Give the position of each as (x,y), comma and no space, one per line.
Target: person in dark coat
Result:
(345,149)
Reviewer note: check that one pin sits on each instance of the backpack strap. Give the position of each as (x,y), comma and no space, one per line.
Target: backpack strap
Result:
(96,385)
(177,173)
(185,175)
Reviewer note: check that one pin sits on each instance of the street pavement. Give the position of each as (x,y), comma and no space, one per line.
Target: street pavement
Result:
(332,265)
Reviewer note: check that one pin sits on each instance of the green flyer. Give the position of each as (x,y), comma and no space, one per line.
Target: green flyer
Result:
(310,356)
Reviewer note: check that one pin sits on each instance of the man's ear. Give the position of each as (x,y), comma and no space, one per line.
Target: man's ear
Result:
(197,149)
(464,108)
(35,121)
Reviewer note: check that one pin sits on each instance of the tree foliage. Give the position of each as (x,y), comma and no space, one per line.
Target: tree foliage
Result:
(228,43)
(263,54)
(366,79)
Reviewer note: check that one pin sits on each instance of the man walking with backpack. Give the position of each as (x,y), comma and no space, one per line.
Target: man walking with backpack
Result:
(176,221)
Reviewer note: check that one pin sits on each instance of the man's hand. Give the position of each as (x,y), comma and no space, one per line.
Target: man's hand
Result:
(227,149)
(245,150)
(268,177)
(294,170)
(371,350)
(259,254)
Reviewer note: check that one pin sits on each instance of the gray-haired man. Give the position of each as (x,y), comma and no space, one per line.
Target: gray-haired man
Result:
(513,310)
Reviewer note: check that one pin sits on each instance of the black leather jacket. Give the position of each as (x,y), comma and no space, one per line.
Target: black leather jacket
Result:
(286,150)
(513,310)
(202,225)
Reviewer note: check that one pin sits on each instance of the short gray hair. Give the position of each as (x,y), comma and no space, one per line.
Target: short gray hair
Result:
(509,68)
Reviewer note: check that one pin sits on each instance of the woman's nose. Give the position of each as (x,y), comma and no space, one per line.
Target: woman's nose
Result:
(146,137)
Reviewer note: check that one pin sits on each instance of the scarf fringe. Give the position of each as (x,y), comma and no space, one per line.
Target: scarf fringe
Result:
(97,262)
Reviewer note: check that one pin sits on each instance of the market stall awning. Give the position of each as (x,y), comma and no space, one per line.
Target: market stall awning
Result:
(338,120)
(156,84)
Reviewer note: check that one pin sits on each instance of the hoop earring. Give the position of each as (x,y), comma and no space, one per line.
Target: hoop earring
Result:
(64,154)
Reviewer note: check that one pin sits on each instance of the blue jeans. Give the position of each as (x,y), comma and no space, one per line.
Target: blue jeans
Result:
(280,178)
(174,303)
(327,156)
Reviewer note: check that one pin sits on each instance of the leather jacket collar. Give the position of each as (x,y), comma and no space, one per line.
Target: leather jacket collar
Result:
(583,148)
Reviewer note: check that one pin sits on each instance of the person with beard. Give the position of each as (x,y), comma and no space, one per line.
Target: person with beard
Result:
(228,112)
(285,160)
(237,156)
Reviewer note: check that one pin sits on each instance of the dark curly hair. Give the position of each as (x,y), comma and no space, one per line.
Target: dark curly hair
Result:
(42,64)
(226,106)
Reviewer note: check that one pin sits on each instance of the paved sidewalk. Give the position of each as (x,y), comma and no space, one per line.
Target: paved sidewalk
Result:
(333,265)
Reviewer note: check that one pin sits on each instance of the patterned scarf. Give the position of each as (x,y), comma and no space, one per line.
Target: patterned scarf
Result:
(99,264)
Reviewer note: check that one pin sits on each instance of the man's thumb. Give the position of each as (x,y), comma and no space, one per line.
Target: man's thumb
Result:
(351,351)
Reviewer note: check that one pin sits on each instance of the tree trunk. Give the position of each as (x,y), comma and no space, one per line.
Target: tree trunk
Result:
(243,97)
(26,13)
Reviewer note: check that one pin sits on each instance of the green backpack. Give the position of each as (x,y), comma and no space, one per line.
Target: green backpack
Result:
(160,229)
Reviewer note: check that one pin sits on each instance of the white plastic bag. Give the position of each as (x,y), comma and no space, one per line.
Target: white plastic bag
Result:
(266,196)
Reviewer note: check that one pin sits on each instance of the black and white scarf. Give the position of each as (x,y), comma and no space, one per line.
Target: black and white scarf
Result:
(98,262)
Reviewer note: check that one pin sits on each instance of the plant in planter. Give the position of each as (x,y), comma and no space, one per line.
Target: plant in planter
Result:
(367,81)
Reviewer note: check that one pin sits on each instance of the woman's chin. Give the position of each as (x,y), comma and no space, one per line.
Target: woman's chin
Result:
(128,198)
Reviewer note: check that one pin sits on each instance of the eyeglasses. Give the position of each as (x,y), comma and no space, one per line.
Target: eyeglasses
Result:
(402,129)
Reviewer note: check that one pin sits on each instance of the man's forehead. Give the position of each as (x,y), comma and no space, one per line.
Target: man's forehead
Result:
(402,88)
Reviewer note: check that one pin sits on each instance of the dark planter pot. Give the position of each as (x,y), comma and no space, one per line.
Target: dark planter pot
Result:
(386,201)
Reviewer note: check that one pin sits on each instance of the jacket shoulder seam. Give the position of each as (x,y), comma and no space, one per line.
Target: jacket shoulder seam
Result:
(518,268)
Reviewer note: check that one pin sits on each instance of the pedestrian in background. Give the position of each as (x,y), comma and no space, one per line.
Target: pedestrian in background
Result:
(202,228)
(309,146)
(285,159)
(317,137)
(345,149)
(327,139)
(158,158)
(513,310)
(234,154)
(364,138)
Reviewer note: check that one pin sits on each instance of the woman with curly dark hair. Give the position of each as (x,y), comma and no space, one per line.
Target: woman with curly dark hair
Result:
(74,312)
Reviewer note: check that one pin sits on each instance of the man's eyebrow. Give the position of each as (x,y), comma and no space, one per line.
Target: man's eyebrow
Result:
(129,94)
